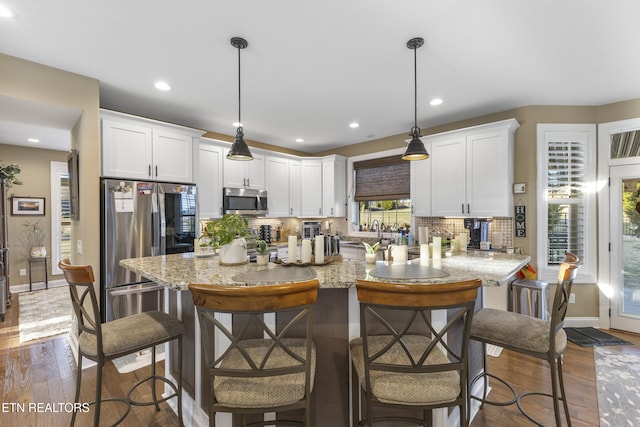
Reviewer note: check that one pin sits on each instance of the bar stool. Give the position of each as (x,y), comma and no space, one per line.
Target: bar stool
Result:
(263,369)
(543,339)
(402,359)
(102,342)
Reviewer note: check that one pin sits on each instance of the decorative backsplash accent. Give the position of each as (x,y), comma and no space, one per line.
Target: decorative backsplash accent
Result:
(500,229)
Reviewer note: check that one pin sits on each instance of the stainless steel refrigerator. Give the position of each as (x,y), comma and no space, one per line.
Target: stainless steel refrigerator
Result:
(140,219)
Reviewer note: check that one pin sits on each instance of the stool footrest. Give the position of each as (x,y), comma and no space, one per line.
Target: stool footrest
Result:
(153,402)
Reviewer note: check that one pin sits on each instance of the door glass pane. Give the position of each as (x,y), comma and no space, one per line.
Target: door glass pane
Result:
(631,245)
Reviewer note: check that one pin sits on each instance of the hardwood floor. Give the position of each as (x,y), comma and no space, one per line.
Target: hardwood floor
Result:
(43,372)
(528,373)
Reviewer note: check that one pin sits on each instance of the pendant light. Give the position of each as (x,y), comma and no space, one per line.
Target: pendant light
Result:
(415,149)
(239,150)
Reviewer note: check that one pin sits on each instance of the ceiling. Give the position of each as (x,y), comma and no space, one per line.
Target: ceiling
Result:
(311,68)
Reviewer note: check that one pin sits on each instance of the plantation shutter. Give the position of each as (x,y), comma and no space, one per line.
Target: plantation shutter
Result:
(386,178)
(566,199)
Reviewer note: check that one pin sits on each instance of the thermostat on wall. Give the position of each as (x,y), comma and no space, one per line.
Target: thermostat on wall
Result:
(520,188)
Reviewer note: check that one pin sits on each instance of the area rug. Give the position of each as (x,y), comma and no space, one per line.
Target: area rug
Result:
(618,384)
(589,337)
(138,360)
(44,313)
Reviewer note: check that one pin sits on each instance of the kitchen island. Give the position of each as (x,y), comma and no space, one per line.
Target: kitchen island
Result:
(336,320)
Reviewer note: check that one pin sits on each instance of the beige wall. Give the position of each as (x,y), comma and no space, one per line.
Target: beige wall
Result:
(35,175)
(30,81)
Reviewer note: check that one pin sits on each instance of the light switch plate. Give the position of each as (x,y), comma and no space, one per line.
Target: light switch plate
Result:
(519,188)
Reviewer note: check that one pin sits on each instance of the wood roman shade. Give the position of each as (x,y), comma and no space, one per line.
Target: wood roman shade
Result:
(386,178)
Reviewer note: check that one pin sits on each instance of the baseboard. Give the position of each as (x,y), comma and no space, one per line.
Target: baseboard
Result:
(16,289)
(582,322)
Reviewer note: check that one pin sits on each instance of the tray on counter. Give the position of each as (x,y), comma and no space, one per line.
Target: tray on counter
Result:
(328,259)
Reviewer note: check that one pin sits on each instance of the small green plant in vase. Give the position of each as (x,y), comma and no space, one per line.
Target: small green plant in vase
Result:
(370,255)
(262,251)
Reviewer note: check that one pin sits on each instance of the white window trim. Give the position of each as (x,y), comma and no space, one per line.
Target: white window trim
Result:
(587,273)
(352,205)
(56,205)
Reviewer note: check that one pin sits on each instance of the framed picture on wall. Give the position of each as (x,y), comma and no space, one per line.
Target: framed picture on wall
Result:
(74,191)
(27,205)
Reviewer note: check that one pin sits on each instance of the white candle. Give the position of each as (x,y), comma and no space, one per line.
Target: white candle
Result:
(424,254)
(320,249)
(293,249)
(462,241)
(305,251)
(437,247)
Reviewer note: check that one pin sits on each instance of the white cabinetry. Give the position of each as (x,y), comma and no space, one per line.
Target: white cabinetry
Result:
(280,174)
(472,171)
(311,187)
(421,186)
(244,174)
(295,187)
(209,179)
(137,148)
(334,186)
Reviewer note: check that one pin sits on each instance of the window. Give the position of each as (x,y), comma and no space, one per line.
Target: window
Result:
(566,197)
(382,191)
(60,215)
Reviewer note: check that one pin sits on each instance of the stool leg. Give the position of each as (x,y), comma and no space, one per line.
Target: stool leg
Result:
(153,377)
(96,415)
(554,391)
(180,380)
(563,394)
(78,382)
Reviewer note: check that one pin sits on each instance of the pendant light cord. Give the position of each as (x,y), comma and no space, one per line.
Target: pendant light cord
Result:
(415,88)
(239,97)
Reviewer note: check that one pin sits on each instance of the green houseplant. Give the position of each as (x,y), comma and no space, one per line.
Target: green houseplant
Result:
(8,174)
(228,235)
(262,251)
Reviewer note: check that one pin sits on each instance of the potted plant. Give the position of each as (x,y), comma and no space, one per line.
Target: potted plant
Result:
(228,235)
(32,239)
(262,250)
(8,174)
(370,255)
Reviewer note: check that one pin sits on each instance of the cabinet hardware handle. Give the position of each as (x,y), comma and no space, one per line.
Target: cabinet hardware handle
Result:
(149,170)
(156,171)
(248,185)
(290,211)
(468,210)
(331,211)
(462,206)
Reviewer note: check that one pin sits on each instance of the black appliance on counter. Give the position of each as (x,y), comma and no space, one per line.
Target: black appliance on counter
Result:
(140,219)
(478,231)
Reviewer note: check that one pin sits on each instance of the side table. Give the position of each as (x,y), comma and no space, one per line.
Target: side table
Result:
(46,273)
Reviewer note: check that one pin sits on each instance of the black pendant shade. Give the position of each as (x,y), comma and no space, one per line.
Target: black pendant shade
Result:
(415,149)
(239,150)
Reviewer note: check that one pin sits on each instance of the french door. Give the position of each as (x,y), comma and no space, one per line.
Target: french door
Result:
(624,199)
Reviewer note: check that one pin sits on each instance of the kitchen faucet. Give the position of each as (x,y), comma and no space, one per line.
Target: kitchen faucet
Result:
(376,225)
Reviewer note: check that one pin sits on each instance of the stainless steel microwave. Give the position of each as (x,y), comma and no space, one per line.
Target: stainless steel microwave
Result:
(245,201)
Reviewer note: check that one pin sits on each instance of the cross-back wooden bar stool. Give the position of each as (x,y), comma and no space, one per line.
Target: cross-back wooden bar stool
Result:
(102,342)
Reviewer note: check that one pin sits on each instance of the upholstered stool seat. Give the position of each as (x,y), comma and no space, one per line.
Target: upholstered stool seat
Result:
(119,337)
(407,388)
(513,330)
(267,392)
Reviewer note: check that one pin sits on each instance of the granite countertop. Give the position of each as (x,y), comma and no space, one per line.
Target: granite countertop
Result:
(178,270)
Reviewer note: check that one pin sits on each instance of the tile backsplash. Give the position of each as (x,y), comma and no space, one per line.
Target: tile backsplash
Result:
(500,229)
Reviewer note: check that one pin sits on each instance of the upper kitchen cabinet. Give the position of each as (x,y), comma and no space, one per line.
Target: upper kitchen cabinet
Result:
(472,171)
(420,185)
(245,173)
(138,148)
(210,155)
(311,188)
(283,176)
(334,186)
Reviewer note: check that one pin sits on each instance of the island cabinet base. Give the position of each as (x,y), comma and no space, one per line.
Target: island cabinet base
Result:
(336,322)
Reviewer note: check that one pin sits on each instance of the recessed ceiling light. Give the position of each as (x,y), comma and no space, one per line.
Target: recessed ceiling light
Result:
(164,86)
(354,125)
(299,139)
(436,101)
(5,12)
(33,140)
